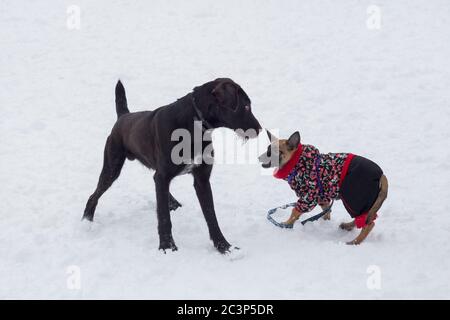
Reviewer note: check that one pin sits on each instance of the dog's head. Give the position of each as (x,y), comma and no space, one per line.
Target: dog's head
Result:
(226,104)
(279,151)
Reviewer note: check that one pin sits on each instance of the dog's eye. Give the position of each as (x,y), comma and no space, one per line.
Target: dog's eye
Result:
(247,108)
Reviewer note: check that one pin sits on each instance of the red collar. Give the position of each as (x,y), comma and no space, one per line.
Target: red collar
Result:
(283,172)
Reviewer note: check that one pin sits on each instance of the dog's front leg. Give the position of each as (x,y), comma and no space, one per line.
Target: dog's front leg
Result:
(204,194)
(295,215)
(162,208)
(325,205)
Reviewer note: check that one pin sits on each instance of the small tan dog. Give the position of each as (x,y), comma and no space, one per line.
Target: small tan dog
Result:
(318,179)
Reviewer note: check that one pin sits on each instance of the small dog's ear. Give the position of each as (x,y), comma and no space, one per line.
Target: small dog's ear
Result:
(223,90)
(294,140)
(271,136)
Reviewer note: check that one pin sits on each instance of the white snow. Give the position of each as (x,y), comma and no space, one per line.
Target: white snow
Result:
(312,66)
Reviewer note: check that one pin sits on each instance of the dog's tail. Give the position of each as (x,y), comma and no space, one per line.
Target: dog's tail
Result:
(121,100)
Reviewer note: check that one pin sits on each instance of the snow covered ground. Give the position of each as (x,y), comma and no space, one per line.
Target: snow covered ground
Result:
(314,66)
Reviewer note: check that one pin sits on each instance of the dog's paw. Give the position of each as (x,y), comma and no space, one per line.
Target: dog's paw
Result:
(327,216)
(286,225)
(348,226)
(172,248)
(222,246)
(234,253)
(167,244)
(89,225)
(87,229)
(353,243)
(88,216)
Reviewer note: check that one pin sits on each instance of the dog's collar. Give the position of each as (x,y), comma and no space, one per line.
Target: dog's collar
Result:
(284,171)
(199,116)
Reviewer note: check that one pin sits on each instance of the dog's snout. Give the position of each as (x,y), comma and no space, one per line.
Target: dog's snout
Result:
(252,133)
(262,158)
(257,125)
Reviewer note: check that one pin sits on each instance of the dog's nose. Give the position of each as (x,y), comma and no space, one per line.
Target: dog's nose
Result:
(252,133)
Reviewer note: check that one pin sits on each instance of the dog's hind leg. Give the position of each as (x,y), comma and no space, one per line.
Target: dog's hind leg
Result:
(162,182)
(173,203)
(382,195)
(113,159)
(363,234)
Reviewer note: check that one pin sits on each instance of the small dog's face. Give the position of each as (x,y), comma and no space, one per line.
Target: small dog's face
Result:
(235,110)
(279,151)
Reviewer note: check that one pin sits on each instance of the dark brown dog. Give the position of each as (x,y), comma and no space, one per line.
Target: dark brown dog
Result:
(146,136)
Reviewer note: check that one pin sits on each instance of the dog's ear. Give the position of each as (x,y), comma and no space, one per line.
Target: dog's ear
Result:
(294,140)
(271,136)
(224,91)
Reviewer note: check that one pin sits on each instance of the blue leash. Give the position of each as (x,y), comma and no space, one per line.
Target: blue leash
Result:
(290,226)
(280,224)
